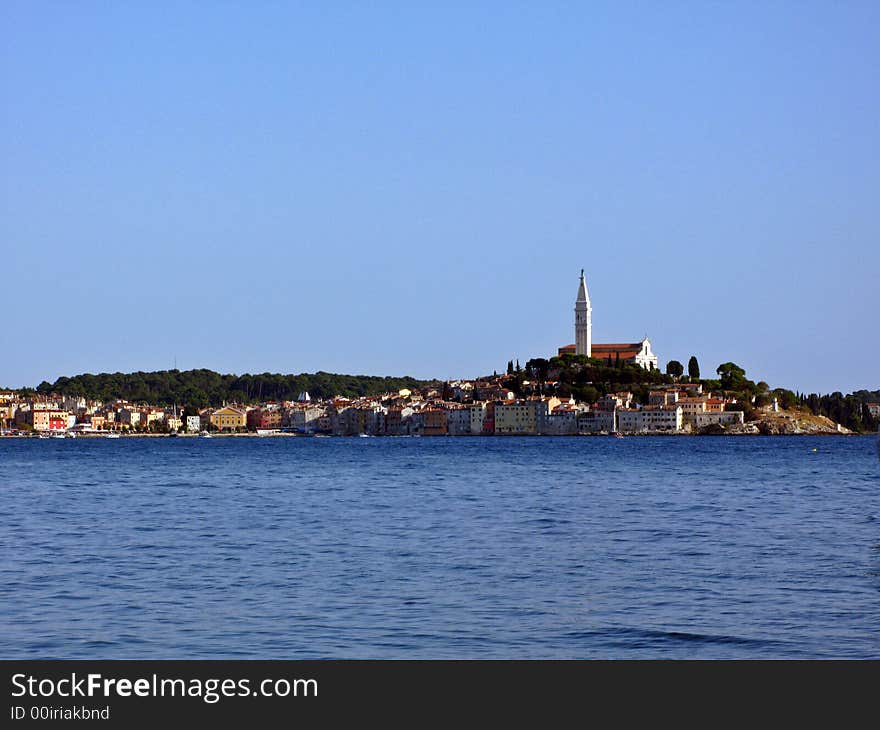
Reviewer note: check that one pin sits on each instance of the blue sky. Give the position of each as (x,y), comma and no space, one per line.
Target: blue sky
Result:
(397,190)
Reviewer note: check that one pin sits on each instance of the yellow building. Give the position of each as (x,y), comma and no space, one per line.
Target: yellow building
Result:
(517,417)
(228,418)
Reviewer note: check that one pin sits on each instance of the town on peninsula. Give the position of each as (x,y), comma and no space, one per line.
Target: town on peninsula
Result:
(587,388)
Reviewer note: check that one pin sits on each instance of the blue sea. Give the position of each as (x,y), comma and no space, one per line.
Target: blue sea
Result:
(295,548)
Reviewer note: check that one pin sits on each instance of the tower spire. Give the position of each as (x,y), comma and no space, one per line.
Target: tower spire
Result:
(583,295)
(583,320)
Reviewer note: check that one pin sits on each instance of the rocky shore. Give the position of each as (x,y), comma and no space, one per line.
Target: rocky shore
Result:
(785,423)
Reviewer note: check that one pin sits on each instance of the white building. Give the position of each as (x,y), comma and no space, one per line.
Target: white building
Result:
(650,419)
(645,357)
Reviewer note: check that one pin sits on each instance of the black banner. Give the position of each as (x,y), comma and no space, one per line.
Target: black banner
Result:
(133,692)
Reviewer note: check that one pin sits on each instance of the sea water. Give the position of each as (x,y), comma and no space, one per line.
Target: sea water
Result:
(505,547)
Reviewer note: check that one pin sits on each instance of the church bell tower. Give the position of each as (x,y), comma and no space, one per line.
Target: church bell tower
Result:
(583,320)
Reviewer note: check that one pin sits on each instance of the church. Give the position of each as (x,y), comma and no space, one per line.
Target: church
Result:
(633,352)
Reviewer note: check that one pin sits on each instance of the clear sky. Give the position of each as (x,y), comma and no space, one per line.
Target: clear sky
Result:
(382,189)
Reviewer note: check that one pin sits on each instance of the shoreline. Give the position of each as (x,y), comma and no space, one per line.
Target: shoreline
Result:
(94,436)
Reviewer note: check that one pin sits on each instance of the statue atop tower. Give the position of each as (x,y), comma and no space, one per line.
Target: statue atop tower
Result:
(583,320)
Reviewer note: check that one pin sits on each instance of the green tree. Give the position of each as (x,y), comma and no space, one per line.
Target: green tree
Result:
(674,368)
(693,368)
(585,394)
(733,377)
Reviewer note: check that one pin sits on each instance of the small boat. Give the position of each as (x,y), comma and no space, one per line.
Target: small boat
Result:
(111,436)
(617,434)
(57,436)
(205,435)
(267,431)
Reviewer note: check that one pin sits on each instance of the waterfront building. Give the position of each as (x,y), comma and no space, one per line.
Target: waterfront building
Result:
(95,421)
(228,418)
(42,419)
(489,419)
(517,417)
(477,413)
(60,420)
(344,419)
(434,421)
(415,424)
(304,417)
(458,420)
(371,419)
(561,421)
(596,421)
(264,418)
(650,419)
(128,416)
(38,420)
(394,421)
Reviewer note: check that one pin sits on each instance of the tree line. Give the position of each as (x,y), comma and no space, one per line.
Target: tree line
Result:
(202,388)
